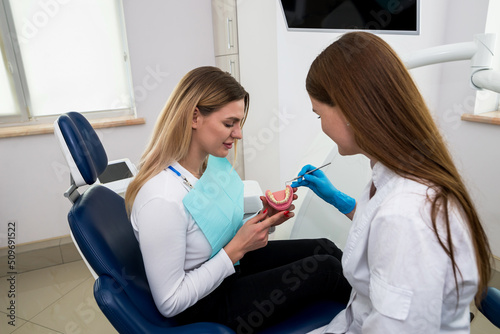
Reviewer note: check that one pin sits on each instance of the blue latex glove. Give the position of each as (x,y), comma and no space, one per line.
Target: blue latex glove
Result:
(321,185)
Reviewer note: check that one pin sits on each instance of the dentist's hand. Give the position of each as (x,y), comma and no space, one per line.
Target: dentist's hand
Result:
(321,185)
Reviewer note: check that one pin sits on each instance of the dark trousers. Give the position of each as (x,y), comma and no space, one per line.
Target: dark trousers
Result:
(272,283)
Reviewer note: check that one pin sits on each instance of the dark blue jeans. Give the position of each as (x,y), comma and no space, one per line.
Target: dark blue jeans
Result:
(272,283)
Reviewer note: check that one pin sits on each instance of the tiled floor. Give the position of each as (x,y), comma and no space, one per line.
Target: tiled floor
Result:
(59,299)
(56,299)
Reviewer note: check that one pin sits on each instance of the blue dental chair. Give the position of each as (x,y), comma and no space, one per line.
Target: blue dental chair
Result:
(490,306)
(103,234)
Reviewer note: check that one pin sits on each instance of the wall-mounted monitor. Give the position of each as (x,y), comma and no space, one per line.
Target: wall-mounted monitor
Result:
(381,16)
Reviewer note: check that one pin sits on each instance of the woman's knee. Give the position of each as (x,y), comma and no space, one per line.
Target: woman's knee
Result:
(318,264)
(328,247)
(335,284)
(326,262)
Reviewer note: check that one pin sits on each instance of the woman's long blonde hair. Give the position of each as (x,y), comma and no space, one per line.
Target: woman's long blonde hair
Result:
(362,75)
(206,88)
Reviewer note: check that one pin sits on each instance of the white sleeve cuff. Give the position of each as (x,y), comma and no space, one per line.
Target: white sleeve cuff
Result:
(224,259)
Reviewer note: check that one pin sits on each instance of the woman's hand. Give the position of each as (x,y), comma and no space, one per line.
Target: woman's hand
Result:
(254,234)
(318,182)
(272,211)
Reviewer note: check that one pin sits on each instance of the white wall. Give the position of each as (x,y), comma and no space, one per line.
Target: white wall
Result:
(169,37)
(258,45)
(297,137)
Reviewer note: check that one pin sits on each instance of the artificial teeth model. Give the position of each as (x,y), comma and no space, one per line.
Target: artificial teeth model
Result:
(280,200)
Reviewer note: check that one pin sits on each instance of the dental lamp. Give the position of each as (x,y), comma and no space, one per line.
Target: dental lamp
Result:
(479,51)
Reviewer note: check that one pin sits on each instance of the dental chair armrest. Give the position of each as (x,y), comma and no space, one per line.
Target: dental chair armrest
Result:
(251,197)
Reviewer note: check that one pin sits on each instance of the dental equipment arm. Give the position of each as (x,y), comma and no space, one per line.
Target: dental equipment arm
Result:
(480,52)
(486,79)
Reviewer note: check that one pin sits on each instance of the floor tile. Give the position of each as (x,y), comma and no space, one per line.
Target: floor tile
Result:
(5,327)
(38,259)
(33,260)
(37,289)
(69,253)
(75,312)
(481,325)
(30,328)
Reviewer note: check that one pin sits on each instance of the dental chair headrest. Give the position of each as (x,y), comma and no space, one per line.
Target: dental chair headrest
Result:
(81,147)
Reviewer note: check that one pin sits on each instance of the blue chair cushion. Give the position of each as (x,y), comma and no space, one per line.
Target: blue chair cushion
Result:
(490,306)
(85,147)
(101,228)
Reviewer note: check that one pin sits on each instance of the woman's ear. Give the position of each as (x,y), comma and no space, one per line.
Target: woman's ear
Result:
(196,118)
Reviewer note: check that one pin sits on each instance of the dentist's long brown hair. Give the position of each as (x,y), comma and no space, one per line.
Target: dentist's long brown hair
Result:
(364,77)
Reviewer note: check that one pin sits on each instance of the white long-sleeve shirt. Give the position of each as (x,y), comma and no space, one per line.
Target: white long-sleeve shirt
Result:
(175,251)
(401,277)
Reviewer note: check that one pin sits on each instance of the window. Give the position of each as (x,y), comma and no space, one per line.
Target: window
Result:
(63,55)
(7,93)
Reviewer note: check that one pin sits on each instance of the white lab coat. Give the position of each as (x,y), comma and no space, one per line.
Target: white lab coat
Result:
(402,279)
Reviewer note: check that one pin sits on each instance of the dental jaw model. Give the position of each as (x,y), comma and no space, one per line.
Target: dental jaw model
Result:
(280,200)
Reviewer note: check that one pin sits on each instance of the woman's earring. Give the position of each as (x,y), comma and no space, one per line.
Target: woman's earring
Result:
(348,124)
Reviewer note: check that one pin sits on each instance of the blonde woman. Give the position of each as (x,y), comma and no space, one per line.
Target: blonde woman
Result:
(416,254)
(202,265)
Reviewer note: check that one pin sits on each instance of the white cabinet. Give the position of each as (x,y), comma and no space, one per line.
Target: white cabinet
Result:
(225,27)
(229,64)
(226,36)
(226,55)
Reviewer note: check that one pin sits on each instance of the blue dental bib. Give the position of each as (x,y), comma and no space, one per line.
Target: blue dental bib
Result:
(216,203)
